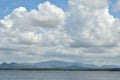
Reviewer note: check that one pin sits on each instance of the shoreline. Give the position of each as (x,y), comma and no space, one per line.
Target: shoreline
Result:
(49,69)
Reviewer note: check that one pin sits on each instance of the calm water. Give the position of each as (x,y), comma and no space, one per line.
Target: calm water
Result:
(59,75)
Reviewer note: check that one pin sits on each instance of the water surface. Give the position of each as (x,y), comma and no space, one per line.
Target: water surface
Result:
(59,75)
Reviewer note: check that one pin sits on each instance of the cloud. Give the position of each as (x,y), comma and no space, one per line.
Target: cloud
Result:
(93,4)
(91,26)
(87,34)
(116,7)
(47,15)
(27,38)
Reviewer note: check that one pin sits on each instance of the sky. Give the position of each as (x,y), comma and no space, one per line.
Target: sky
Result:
(84,31)
(7,6)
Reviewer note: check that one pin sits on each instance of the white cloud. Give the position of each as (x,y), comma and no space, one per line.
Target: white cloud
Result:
(47,15)
(92,26)
(91,33)
(27,38)
(93,4)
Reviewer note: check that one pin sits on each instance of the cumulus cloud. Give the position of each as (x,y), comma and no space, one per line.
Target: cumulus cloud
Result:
(47,15)
(91,26)
(88,34)
(94,29)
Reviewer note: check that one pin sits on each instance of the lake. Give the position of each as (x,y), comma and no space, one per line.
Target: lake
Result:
(59,75)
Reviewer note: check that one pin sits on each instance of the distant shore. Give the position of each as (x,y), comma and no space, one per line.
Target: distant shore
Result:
(60,69)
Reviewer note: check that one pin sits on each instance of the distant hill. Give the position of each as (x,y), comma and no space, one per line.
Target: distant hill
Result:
(54,65)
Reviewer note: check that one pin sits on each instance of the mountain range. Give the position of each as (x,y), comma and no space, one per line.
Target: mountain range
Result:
(53,65)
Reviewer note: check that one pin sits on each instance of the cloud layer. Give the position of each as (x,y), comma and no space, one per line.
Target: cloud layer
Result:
(86,33)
